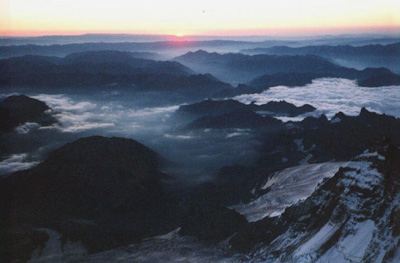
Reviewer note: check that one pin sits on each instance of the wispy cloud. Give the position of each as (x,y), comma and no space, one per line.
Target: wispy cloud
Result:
(27,127)
(72,116)
(16,162)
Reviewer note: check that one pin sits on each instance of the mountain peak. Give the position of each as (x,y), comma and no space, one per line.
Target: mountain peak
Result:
(351,217)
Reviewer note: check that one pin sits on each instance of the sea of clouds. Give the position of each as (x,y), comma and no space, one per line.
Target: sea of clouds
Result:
(119,114)
(332,95)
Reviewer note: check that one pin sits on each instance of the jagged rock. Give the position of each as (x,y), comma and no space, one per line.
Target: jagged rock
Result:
(348,218)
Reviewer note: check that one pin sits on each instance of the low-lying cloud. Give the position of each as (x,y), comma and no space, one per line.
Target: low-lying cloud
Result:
(331,95)
(16,162)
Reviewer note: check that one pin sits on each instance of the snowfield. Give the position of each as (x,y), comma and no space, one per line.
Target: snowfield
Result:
(286,188)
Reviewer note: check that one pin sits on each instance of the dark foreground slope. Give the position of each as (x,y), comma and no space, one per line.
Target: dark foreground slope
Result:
(104,192)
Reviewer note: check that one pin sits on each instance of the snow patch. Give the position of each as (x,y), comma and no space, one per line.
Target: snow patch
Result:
(336,120)
(354,245)
(318,239)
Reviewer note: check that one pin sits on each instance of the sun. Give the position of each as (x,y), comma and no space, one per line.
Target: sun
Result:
(179,35)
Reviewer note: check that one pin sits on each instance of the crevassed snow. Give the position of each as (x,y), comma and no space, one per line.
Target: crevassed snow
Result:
(287,187)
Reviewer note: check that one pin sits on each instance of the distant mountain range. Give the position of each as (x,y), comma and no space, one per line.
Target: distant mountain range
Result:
(125,69)
(241,68)
(330,51)
(158,46)
(358,57)
(111,62)
(110,69)
(64,45)
(107,68)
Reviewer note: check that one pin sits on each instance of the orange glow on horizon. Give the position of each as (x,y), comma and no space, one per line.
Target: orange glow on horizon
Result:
(391,30)
(207,17)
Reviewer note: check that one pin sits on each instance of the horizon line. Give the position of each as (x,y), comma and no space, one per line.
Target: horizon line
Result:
(278,32)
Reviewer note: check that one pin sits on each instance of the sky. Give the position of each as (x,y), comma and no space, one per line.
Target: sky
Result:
(200,17)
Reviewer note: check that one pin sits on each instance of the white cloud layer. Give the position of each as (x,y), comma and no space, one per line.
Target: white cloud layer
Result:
(331,95)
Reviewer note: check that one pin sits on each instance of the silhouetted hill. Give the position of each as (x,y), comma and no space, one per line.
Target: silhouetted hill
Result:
(218,107)
(381,80)
(16,110)
(102,191)
(236,67)
(241,118)
(283,108)
(285,79)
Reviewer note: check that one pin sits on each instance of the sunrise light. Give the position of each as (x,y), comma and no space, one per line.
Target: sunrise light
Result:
(208,17)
